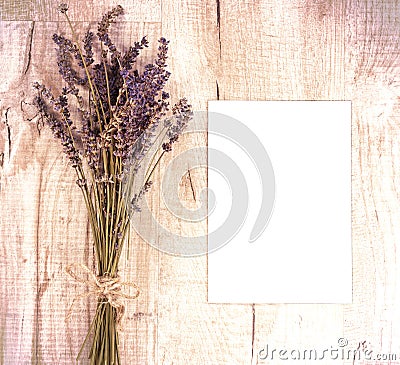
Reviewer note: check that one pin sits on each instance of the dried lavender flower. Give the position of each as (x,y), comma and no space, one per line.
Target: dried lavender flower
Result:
(88,47)
(135,202)
(62,8)
(183,114)
(117,119)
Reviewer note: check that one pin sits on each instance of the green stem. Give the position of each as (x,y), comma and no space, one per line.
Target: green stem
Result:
(91,85)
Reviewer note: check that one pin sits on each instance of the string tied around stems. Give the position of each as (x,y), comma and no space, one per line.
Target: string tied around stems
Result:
(106,286)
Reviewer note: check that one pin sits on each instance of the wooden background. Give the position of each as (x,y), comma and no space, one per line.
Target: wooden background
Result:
(250,50)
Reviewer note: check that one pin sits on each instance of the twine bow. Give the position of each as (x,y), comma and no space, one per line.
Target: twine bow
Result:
(106,286)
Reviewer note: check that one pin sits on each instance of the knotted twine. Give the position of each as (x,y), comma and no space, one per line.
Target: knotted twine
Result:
(106,287)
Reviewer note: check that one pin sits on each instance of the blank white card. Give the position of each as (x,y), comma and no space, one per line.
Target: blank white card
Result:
(279,198)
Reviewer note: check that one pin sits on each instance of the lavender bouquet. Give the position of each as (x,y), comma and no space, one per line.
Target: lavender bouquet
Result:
(119,113)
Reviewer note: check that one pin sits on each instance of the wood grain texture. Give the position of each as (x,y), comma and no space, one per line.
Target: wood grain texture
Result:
(46,10)
(244,50)
(372,69)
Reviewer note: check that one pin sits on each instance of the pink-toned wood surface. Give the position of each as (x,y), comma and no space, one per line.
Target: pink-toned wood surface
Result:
(251,50)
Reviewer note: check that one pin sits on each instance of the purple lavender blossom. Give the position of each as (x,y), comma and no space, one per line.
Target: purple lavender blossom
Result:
(182,112)
(135,202)
(119,119)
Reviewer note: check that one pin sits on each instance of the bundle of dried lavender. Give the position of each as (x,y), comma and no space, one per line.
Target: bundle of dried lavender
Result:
(120,112)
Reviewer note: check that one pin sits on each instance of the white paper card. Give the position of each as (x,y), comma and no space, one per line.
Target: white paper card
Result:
(279,174)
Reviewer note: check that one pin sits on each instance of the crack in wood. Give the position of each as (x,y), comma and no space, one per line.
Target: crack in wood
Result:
(219,25)
(216,81)
(191,185)
(35,338)
(39,123)
(30,36)
(8,132)
(45,284)
(253,330)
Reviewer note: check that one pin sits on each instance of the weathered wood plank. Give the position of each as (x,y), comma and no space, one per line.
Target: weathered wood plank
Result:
(189,329)
(295,53)
(19,204)
(47,10)
(372,82)
(58,220)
